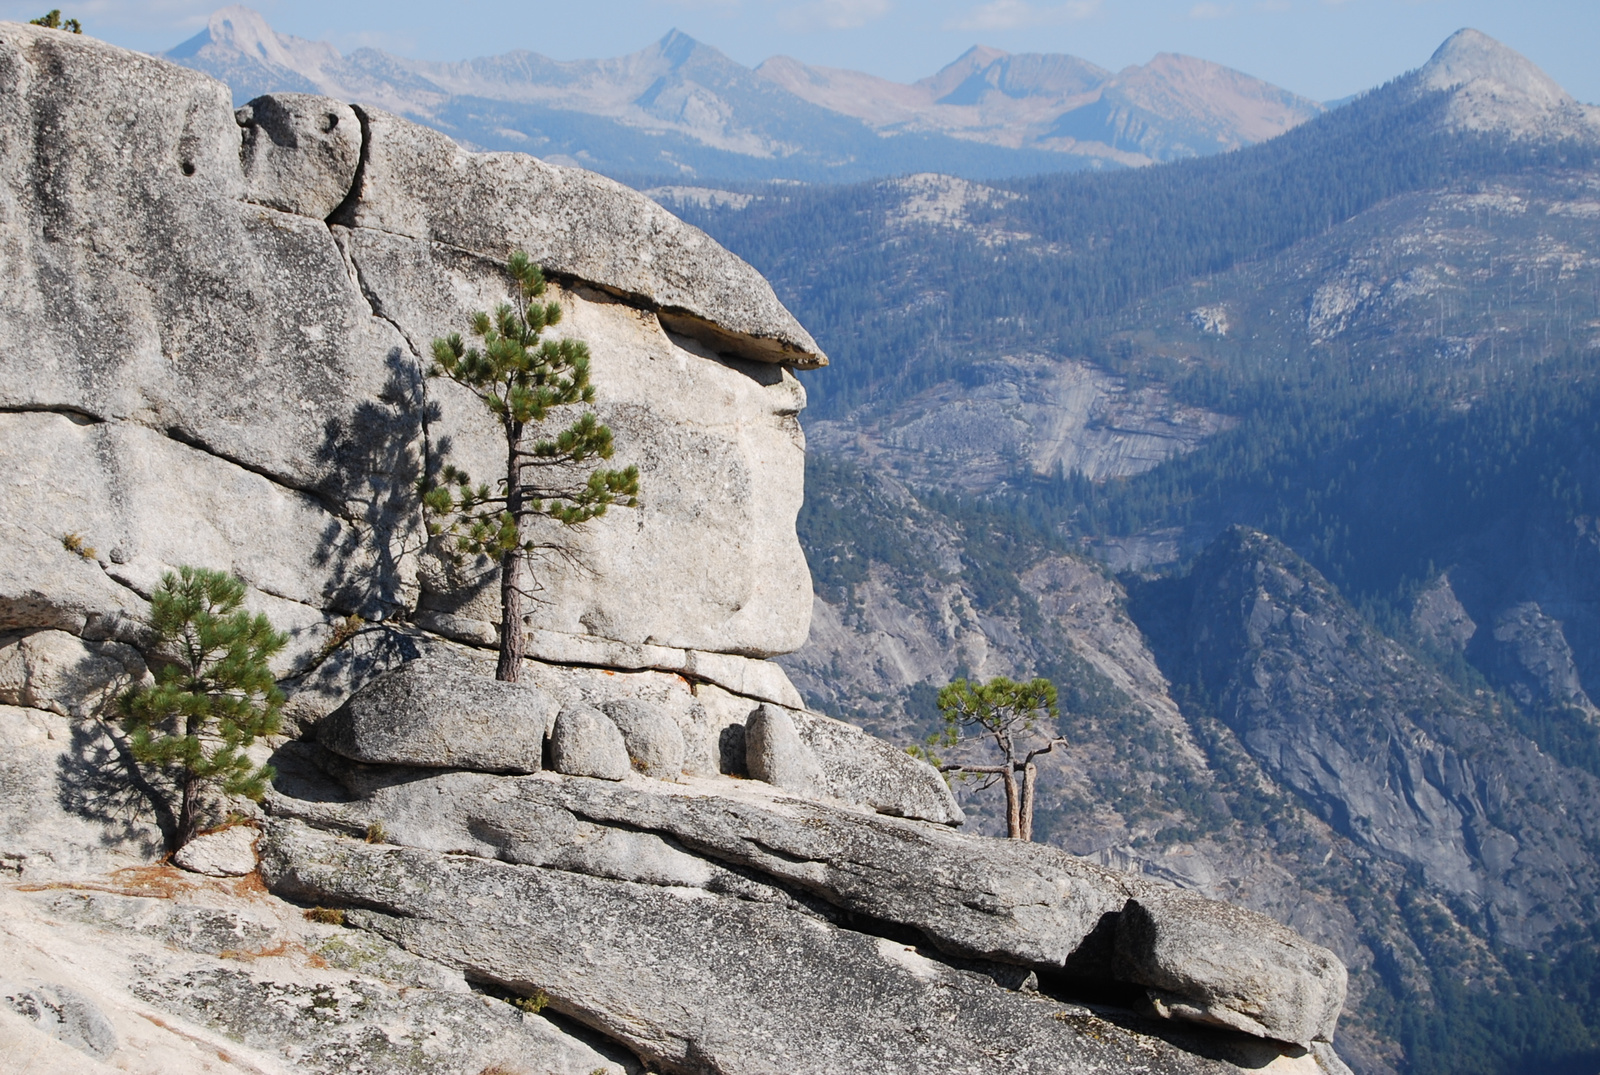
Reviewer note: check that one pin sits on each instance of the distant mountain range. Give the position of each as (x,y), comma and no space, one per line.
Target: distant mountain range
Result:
(681,108)
(1171,108)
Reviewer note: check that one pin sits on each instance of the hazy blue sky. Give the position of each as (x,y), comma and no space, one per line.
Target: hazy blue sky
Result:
(1319,48)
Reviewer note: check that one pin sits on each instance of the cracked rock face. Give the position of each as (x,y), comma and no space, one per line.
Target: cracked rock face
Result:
(176,303)
(779,989)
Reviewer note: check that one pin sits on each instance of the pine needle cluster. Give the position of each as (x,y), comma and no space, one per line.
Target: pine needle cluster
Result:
(214,697)
(521,378)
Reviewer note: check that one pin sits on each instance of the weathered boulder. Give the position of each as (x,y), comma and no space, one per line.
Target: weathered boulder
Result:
(487,816)
(299,152)
(1019,903)
(228,853)
(418,183)
(443,714)
(653,739)
(585,742)
(65,674)
(1213,962)
(775,753)
(1013,902)
(864,769)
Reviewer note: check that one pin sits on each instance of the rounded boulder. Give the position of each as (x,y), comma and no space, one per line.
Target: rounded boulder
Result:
(586,742)
(653,739)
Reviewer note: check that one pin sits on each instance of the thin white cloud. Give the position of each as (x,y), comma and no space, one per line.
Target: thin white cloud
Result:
(1210,11)
(1012,14)
(834,14)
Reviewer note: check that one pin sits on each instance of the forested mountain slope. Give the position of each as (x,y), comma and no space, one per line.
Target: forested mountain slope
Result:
(1373,342)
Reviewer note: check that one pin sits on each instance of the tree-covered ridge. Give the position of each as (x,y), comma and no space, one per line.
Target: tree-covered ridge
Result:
(900,310)
(1374,477)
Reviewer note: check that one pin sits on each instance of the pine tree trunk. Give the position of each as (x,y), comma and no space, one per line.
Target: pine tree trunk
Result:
(510,666)
(1013,807)
(510,618)
(1030,777)
(187,822)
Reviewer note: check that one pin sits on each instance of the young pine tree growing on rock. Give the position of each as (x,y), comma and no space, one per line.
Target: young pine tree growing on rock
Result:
(523,379)
(1007,715)
(53,20)
(212,698)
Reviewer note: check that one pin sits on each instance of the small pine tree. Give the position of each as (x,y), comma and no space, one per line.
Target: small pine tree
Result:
(1006,714)
(213,699)
(55,22)
(521,379)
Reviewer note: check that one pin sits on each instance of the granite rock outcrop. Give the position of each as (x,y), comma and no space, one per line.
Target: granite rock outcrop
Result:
(647,855)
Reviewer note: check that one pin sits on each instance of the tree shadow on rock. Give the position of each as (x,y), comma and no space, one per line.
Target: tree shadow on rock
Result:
(374,459)
(98,780)
(97,777)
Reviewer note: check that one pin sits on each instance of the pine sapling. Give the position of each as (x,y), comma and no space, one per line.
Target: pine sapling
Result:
(53,20)
(213,696)
(523,379)
(1006,715)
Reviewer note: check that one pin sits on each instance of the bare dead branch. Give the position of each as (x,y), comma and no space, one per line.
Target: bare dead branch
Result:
(1047,748)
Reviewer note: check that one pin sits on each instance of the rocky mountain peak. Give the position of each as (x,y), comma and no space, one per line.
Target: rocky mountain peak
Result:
(963,67)
(1497,89)
(677,47)
(243,31)
(1470,55)
(1212,100)
(1049,77)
